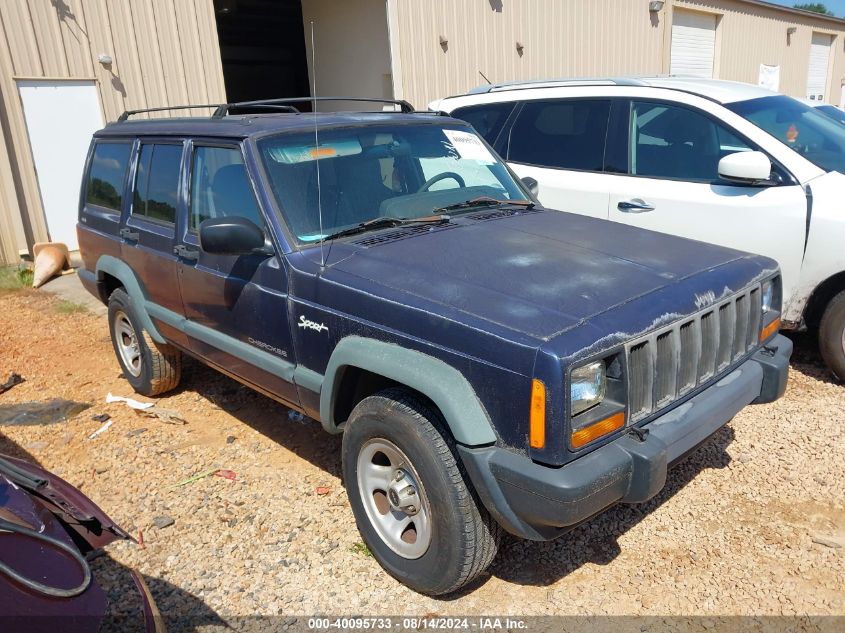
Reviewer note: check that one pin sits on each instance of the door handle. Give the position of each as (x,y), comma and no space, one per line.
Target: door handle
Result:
(637,205)
(129,234)
(188,254)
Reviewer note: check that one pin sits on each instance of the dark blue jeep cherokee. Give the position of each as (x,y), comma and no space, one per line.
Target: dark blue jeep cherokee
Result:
(491,363)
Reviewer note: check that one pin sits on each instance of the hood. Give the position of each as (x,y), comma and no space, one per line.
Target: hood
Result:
(41,514)
(537,272)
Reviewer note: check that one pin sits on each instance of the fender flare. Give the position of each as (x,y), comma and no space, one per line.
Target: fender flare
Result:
(122,272)
(432,377)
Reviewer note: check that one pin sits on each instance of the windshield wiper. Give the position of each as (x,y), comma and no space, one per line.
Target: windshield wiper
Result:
(385,222)
(485,201)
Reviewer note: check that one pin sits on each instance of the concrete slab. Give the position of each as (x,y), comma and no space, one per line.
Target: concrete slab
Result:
(70,288)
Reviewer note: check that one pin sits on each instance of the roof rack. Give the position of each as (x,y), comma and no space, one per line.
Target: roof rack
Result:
(281,105)
(128,113)
(223,110)
(558,83)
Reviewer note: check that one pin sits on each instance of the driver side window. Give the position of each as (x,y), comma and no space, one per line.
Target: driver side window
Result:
(678,143)
(220,186)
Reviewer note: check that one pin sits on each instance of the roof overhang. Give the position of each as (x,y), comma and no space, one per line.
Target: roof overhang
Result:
(840,22)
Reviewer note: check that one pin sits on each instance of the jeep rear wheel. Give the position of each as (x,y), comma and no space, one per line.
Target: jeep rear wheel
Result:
(150,368)
(832,335)
(411,498)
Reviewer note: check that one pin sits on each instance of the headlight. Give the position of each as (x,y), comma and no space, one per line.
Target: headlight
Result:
(770,304)
(588,387)
(768,295)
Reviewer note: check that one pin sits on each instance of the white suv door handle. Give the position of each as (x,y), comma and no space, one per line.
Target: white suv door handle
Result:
(637,205)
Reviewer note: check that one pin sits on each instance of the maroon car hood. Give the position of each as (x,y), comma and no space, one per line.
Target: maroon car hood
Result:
(79,513)
(33,498)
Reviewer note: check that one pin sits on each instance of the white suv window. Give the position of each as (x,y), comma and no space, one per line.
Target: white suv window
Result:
(488,119)
(561,134)
(674,142)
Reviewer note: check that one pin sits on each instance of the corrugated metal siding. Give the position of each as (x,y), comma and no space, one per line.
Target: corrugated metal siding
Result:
(560,38)
(750,35)
(73,29)
(11,226)
(19,30)
(578,38)
(19,55)
(164,53)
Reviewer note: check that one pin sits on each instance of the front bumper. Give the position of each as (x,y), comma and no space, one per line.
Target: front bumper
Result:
(540,502)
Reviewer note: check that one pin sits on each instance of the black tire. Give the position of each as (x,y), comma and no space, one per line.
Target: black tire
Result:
(159,367)
(464,538)
(832,335)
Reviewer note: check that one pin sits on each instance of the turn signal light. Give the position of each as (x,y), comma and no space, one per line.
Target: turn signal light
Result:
(770,329)
(537,419)
(584,436)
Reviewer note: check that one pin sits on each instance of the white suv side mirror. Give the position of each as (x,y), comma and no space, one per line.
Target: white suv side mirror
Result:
(746,167)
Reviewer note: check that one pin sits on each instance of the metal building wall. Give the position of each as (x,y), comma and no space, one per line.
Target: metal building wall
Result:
(576,38)
(164,53)
(560,37)
(749,34)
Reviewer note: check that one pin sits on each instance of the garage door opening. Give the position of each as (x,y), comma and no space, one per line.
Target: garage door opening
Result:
(819,64)
(693,44)
(262,46)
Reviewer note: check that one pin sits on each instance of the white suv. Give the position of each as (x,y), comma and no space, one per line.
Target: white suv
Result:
(716,161)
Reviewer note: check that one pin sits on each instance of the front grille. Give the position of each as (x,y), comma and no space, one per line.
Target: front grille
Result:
(672,361)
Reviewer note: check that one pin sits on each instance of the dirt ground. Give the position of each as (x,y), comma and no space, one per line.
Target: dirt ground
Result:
(748,525)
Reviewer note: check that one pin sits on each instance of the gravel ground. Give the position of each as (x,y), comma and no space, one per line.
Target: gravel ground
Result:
(747,525)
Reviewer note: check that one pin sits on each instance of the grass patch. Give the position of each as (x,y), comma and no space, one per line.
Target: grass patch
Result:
(360,548)
(63,306)
(15,278)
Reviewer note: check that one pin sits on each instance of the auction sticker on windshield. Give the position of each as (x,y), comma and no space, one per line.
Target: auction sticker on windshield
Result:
(469,146)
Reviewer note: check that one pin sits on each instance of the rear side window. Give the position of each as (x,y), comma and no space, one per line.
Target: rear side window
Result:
(157,182)
(561,134)
(220,186)
(105,178)
(487,119)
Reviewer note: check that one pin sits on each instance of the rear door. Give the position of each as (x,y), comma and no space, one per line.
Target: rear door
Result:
(236,306)
(672,186)
(149,232)
(561,144)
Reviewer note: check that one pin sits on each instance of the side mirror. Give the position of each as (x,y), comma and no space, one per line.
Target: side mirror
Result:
(232,235)
(747,168)
(531,184)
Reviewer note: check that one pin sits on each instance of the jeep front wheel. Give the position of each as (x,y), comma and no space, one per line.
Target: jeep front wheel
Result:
(832,335)
(410,495)
(150,368)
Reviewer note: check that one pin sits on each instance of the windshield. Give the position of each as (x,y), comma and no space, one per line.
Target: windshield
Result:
(814,135)
(385,171)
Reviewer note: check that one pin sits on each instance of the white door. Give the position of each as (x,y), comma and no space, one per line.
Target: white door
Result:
(693,43)
(819,62)
(673,187)
(60,117)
